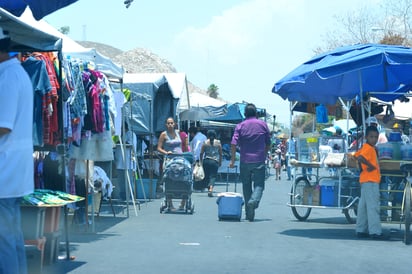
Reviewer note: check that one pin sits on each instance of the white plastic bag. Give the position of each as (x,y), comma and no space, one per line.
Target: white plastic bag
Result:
(198,172)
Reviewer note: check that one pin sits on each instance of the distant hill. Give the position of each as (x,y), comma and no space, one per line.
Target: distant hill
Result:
(138,60)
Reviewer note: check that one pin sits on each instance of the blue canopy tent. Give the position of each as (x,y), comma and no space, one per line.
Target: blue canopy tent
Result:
(235,114)
(346,73)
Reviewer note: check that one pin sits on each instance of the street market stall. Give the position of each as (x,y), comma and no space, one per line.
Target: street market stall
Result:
(346,74)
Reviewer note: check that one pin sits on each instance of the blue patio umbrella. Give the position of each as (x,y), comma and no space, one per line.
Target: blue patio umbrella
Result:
(346,72)
(39,8)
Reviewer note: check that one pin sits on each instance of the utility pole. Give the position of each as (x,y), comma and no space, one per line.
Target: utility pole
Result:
(274,122)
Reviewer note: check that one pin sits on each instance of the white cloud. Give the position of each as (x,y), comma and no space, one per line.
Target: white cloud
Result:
(235,32)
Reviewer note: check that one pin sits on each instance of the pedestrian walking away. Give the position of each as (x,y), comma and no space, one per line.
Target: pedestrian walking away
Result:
(211,158)
(252,136)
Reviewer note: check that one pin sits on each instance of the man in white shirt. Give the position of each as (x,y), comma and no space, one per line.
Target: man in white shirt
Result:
(197,140)
(16,150)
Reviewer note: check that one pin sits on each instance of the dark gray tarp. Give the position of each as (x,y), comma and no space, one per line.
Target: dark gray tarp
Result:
(151,103)
(202,113)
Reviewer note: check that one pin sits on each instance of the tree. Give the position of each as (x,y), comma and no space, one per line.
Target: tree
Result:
(212,91)
(65,30)
(389,23)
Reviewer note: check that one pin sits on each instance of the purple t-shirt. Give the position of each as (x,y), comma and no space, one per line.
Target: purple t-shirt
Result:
(252,136)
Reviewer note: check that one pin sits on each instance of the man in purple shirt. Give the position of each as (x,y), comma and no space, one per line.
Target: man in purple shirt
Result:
(252,136)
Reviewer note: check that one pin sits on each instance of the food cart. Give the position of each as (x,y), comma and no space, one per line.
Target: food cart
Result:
(335,190)
(342,191)
(348,74)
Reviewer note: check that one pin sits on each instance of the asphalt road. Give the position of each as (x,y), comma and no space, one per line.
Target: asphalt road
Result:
(274,243)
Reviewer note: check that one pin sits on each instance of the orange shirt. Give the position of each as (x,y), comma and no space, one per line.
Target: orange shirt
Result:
(369,153)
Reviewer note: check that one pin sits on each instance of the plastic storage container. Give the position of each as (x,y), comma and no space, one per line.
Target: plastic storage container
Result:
(149,189)
(396,146)
(406,152)
(229,205)
(308,147)
(385,151)
(328,192)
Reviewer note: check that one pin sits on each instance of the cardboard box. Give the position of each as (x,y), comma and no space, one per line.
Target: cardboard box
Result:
(52,219)
(311,195)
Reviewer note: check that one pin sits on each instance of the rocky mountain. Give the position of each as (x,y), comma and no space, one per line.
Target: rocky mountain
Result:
(138,60)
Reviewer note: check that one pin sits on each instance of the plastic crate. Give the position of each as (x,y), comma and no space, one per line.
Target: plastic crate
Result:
(32,222)
(149,189)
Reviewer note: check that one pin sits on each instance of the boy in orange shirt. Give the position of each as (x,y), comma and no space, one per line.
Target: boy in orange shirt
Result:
(368,220)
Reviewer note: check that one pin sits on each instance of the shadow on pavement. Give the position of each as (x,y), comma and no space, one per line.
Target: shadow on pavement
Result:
(335,233)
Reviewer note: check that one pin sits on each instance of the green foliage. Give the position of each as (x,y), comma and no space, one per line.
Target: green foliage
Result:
(212,91)
(65,30)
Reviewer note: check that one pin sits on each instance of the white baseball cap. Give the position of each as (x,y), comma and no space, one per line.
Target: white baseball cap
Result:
(371,120)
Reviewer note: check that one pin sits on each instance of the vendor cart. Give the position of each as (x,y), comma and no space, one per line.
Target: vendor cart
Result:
(342,192)
(399,190)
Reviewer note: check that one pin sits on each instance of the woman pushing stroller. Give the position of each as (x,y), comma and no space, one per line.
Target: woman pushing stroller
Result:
(170,144)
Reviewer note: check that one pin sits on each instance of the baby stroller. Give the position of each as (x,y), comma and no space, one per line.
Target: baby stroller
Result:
(178,181)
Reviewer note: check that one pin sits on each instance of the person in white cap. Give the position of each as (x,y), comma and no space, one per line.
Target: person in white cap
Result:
(16,160)
(372,121)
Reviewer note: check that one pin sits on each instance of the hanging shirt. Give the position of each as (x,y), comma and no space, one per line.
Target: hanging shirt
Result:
(41,85)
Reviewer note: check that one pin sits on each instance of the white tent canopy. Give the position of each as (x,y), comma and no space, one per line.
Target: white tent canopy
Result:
(75,50)
(25,35)
(197,99)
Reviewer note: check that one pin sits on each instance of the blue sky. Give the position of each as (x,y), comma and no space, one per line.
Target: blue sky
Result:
(242,46)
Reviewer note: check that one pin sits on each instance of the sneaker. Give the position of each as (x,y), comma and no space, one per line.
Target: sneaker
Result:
(250,211)
(362,235)
(379,237)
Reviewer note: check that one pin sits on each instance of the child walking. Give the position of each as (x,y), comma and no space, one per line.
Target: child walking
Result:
(277,164)
(368,220)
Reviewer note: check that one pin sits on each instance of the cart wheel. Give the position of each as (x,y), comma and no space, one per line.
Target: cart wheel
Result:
(407,213)
(301,213)
(351,213)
